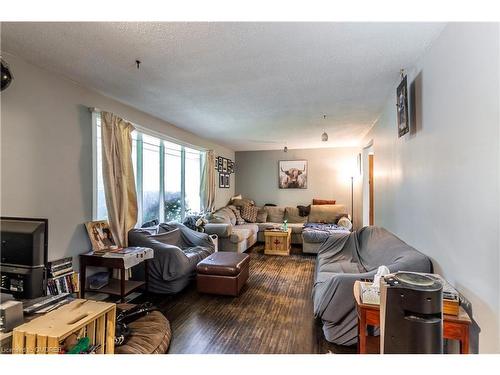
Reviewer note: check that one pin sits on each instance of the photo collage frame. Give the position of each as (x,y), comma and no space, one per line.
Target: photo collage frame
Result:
(225,167)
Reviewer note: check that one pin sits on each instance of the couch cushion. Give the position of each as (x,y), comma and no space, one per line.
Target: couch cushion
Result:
(240,234)
(261,215)
(328,213)
(292,214)
(253,228)
(275,214)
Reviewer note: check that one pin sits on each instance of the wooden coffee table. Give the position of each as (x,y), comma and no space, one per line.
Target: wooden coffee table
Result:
(454,327)
(278,242)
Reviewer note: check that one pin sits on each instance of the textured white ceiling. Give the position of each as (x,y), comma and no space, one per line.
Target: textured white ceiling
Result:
(249,86)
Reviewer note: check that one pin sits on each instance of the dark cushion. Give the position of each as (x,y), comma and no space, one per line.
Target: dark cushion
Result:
(223,264)
(304,210)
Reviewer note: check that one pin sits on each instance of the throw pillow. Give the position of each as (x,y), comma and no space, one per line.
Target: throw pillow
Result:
(242,202)
(304,210)
(261,216)
(345,222)
(236,212)
(236,197)
(324,201)
(249,213)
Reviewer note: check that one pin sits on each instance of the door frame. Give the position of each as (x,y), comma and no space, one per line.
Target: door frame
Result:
(367,213)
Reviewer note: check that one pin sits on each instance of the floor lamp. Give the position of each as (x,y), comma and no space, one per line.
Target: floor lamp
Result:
(352,199)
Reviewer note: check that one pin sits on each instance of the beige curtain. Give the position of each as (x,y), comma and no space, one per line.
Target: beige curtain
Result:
(118,176)
(208,186)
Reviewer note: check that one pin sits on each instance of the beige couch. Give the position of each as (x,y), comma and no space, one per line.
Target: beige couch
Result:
(239,237)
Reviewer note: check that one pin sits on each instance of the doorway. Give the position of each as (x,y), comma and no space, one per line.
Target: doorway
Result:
(368,185)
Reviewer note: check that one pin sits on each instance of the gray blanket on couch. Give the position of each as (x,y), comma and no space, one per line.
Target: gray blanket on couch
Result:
(343,259)
(177,251)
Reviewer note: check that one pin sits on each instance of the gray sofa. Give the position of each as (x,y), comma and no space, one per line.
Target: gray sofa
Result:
(239,237)
(177,251)
(343,259)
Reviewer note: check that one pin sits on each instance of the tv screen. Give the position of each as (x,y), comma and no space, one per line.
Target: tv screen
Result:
(24,241)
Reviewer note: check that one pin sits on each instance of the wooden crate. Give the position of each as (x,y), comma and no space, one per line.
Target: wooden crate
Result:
(277,242)
(44,335)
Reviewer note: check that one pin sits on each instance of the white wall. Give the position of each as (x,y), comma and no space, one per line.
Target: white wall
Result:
(329,172)
(46,166)
(438,188)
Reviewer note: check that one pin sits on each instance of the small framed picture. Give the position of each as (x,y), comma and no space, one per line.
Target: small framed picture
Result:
(226,180)
(100,235)
(217,164)
(224,165)
(220,163)
(402,107)
(221,180)
(230,166)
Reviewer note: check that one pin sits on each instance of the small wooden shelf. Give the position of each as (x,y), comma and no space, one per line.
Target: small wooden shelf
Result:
(113,287)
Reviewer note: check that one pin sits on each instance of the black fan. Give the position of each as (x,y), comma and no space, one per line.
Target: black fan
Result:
(6,75)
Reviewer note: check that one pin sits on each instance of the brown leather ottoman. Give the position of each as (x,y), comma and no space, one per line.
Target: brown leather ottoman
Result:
(223,273)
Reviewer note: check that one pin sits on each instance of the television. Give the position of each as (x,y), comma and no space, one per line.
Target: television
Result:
(24,242)
(23,256)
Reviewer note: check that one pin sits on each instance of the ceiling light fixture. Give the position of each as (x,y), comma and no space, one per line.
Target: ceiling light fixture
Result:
(6,74)
(324,136)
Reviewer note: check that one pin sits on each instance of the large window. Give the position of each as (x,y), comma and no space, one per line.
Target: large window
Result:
(167,177)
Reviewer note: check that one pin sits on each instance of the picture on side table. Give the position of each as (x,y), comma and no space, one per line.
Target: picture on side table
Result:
(292,174)
(100,235)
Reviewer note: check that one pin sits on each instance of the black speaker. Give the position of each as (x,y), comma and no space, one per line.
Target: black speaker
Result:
(411,314)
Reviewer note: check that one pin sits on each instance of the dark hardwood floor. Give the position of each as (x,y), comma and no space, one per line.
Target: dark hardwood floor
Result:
(273,313)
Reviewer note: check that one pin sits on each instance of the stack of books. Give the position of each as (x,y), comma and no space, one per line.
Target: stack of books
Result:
(61,277)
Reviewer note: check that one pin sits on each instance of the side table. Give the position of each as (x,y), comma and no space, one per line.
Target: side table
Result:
(277,242)
(118,287)
(454,327)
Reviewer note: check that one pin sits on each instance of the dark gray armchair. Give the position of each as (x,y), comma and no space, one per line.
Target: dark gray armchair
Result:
(177,251)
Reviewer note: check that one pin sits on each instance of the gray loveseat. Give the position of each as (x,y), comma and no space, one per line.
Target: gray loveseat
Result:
(345,258)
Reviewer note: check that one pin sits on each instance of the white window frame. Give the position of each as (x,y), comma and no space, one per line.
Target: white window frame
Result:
(139,173)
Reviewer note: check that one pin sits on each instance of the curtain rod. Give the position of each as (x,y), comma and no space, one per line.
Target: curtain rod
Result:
(157,134)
